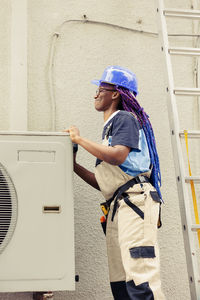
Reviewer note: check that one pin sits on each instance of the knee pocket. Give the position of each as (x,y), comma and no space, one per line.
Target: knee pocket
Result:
(142,252)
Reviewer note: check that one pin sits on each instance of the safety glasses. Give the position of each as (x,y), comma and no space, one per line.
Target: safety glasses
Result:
(98,91)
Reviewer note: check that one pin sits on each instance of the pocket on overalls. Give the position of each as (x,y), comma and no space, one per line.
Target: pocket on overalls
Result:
(155,196)
(155,217)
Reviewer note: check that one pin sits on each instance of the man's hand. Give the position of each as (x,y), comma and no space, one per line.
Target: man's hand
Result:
(86,175)
(74,134)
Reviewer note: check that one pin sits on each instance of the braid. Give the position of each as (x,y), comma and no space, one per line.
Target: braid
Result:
(129,103)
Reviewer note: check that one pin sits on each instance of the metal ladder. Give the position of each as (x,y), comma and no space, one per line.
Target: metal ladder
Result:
(188,225)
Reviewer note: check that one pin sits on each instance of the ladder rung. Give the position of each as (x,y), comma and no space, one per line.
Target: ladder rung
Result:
(187,91)
(196,179)
(184,51)
(195,227)
(191,134)
(183,13)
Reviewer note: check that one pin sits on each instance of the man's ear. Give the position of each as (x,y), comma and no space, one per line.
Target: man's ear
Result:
(115,95)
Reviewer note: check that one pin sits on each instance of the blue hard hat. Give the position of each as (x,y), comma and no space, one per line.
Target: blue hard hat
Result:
(119,76)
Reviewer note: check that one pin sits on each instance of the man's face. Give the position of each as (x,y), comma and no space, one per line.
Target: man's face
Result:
(103,98)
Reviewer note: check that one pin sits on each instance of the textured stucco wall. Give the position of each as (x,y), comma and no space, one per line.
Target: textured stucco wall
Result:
(82,51)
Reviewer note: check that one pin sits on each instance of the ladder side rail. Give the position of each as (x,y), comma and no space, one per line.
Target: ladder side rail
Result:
(189,241)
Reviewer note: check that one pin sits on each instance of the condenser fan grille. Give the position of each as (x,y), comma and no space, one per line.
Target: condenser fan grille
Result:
(8,208)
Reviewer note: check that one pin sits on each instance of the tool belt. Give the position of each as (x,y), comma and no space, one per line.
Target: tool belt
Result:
(105,206)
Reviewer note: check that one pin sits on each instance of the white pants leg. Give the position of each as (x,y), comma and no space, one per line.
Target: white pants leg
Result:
(133,254)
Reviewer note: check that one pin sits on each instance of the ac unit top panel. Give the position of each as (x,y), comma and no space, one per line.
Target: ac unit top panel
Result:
(33,133)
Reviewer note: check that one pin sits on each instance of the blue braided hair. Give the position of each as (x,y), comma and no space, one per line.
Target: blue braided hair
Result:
(129,103)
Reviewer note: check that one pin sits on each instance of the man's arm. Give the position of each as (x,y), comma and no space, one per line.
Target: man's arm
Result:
(86,175)
(113,155)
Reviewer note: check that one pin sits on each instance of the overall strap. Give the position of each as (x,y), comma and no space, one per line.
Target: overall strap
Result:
(122,189)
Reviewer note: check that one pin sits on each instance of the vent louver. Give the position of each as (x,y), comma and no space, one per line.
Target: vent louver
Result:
(8,208)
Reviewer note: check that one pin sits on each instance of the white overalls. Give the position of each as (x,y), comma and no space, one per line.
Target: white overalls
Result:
(133,254)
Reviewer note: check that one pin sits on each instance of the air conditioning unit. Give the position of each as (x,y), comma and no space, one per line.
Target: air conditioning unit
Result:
(36,212)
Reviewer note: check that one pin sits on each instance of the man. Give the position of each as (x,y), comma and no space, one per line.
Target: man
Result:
(128,175)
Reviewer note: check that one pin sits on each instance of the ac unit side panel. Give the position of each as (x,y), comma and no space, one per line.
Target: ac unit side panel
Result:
(42,245)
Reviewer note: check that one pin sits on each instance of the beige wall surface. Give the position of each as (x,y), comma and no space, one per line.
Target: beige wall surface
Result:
(4,59)
(64,55)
